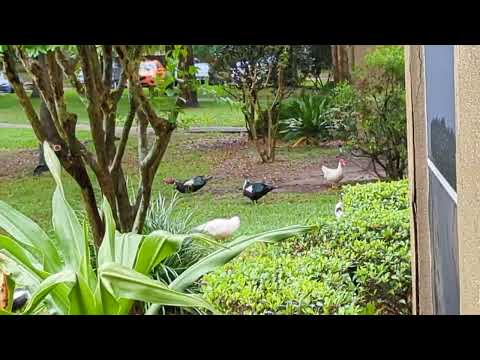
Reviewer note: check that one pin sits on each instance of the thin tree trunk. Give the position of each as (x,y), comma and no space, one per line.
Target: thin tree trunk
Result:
(189,95)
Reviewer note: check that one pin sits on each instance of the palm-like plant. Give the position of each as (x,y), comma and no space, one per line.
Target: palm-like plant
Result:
(307,119)
(61,279)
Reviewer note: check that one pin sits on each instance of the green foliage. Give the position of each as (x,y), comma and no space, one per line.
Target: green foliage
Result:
(382,134)
(165,215)
(321,117)
(307,117)
(58,272)
(358,264)
(282,284)
(390,196)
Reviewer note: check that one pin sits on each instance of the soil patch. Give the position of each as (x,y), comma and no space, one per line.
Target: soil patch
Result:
(18,163)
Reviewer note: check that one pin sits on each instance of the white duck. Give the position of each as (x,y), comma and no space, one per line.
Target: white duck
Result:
(220,229)
(334,175)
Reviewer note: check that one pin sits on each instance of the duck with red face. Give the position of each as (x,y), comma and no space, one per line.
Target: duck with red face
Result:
(189,186)
(334,176)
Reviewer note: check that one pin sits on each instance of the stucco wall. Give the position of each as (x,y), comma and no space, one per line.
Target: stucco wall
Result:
(467,107)
(418,180)
(467,71)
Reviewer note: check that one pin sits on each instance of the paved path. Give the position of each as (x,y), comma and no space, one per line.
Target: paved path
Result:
(118,130)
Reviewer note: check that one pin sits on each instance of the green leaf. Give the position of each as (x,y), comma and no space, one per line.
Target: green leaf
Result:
(65,223)
(30,278)
(156,247)
(30,237)
(5,312)
(110,305)
(53,164)
(126,248)
(20,255)
(234,248)
(82,299)
(46,288)
(68,230)
(86,267)
(106,253)
(126,283)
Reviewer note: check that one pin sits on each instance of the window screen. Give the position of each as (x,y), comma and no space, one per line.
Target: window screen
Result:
(440,107)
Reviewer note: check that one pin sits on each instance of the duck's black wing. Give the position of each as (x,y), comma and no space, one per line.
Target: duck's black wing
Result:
(198,182)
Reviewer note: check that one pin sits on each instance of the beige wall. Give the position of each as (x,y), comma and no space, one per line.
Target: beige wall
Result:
(417,172)
(467,108)
(467,79)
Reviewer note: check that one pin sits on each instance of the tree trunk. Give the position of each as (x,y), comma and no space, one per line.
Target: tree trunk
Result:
(336,65)
(188,94)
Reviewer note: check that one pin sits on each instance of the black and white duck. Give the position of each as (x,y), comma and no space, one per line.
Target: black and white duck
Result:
(256,190)
(189,186)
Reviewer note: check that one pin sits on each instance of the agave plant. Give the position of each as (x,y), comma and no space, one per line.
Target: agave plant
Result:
(307,119)
(58,272)
(61,279)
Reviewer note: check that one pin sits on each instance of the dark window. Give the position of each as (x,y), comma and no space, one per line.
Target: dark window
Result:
(443,233)
(440,107)
(440,98)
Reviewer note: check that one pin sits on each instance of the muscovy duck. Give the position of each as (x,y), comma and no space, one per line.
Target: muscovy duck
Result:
(189,186)
(20,298)
(220,229)
(339,210)
(335,175)
(255,191)
(352,273)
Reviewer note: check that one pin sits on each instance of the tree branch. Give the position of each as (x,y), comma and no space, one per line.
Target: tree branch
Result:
(125,133)
(68,68)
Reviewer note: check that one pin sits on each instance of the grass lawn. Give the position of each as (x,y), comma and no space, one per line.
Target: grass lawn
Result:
(209,113)
(13,139)
(32,196)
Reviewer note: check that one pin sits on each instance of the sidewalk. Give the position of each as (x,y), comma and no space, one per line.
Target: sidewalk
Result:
(118,130)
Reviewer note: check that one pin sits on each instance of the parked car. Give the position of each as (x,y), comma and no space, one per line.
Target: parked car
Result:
(148,72)
(203,72)
(116,71)
(5,85)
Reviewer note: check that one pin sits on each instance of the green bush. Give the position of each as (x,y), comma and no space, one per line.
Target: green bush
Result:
(357,264)
(308,117)
(386,195)
(321,117)
(382,128)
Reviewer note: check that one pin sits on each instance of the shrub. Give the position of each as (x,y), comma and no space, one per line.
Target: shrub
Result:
(357,264)
(382,134)
(58,274)
(284,284)
(312,117)
(307,118)
(165,215)
(386,195)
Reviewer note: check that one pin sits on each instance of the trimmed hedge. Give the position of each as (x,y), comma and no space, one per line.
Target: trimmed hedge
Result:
(358,264)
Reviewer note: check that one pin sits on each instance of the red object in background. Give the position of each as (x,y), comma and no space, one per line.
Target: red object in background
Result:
(148,72)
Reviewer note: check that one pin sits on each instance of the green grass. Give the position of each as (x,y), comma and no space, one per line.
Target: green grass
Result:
(32,196)
(15,139)
(209,113)
(276,210)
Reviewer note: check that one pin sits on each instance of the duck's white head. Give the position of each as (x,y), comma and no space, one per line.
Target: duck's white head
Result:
(235,220)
